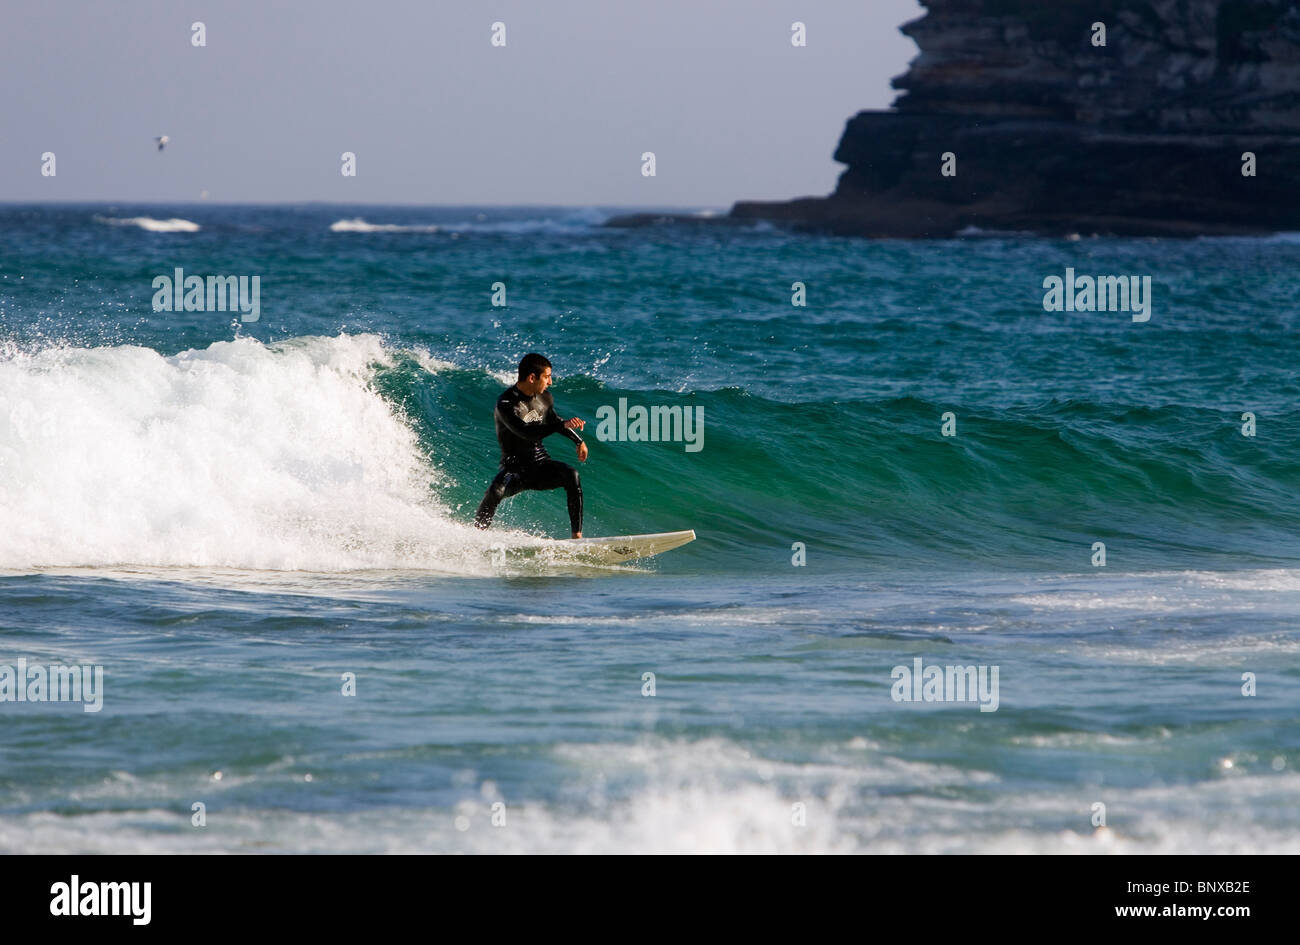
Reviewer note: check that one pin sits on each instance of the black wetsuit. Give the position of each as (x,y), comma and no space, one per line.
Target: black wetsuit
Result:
(522,423)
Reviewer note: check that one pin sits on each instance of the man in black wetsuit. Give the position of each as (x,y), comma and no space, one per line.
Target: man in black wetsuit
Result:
(525,415)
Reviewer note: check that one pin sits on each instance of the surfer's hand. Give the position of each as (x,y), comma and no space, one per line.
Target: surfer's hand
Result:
(573,423)
(582,452)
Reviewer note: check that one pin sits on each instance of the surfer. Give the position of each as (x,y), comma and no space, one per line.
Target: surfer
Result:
(525,415)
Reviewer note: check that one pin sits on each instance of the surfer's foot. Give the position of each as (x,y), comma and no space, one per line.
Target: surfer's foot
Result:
(577,534)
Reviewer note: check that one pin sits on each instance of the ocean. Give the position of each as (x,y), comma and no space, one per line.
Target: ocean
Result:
(259,531)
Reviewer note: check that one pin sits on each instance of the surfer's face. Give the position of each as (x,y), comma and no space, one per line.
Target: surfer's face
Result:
(537,383)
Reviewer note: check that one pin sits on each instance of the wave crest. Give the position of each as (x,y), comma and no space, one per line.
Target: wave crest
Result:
(170,225)
(239,455)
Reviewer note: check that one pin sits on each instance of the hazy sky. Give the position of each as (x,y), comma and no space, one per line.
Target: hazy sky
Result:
(434,112)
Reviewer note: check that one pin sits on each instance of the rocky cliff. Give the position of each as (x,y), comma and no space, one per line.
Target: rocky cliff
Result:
(1049,131)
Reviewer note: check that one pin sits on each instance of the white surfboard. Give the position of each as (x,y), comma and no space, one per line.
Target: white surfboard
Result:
(613,550)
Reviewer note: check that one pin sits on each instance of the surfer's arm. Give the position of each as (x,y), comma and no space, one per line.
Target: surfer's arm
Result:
(557,425)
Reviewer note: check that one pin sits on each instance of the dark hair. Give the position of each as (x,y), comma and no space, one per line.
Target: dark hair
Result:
(532,364)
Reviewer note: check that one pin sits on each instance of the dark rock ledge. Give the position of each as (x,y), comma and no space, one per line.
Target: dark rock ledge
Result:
(1054,135)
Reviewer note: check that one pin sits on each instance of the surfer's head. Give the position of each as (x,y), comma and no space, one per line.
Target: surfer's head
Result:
(534,374)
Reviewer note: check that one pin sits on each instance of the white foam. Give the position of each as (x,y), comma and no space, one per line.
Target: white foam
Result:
(239,455)
(171,225)
(431,363)
(1167,592)
(1118,600)
(737,616)
(710,795)
(1263,579)
(575,221)
(358,225)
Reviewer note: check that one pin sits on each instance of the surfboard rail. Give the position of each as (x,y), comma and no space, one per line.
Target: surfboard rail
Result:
(631,547)
(604,550)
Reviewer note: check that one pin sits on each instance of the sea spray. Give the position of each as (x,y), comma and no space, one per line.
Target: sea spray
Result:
(236,455)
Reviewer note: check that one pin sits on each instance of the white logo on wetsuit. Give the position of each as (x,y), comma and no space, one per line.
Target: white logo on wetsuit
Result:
(526,415)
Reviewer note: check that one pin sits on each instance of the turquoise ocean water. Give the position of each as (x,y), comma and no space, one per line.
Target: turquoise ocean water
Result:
(229,516)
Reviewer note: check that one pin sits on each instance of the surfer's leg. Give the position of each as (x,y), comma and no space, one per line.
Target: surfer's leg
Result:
(573,490)
(503,486)
(554,475)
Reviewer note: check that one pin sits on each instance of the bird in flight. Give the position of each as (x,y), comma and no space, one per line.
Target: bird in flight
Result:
(162,141)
